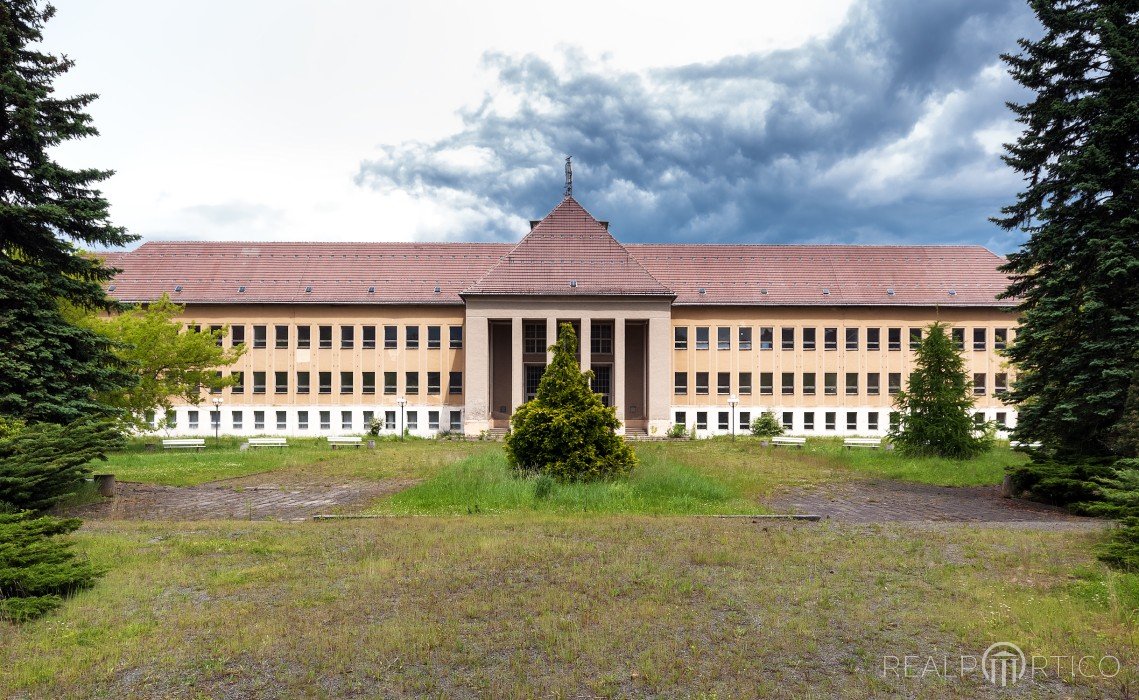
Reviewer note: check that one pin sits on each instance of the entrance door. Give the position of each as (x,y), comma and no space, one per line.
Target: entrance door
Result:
(500,368)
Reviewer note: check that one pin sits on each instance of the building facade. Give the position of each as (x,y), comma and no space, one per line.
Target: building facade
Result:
(441,337)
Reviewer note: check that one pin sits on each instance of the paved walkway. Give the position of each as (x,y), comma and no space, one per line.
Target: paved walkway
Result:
(237,499)
(879,501)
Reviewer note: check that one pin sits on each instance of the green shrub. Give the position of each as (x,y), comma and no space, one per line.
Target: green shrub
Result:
(677,431)
(37,567)
(565,431)
(1060,483)
(766,425)
(42,463)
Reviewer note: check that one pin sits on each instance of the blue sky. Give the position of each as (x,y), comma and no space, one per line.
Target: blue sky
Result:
(872,121)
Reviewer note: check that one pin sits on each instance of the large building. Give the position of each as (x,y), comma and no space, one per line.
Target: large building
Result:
(433,337)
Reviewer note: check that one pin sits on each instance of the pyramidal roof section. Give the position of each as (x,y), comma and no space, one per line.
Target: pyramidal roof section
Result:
(569,253)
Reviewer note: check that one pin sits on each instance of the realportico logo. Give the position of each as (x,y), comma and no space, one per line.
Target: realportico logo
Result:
(1003,664)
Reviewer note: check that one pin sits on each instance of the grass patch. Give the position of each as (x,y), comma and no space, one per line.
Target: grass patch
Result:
(984,470)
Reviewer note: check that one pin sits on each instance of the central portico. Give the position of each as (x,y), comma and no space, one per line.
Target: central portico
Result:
(568,269)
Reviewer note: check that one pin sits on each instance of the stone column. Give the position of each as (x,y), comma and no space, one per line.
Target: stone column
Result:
(551,338)
(517,369)
(583,342)
(619,369)
(658,374)
(477,369)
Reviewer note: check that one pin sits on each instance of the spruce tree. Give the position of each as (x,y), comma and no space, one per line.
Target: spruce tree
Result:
(37,566)
(566,432)
(936,403)
(52,368)
(1075,282)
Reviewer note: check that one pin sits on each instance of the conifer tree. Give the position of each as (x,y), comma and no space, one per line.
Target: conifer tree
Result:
(37,566)
(936,405)
(566,432)
(1075,281)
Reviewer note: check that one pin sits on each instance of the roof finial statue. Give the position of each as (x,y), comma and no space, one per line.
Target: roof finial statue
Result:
(569,177)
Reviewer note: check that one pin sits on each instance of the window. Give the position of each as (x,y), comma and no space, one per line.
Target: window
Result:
(601,338)
(701,337)
(808,338)
(1002,420)
(723,422)
(258,420)
(1000,338)
(433,383)
(766,383)
(895,420)
(830,339)
(766,336)
(745,383)
(237,335)
(829,420)
(830,383)
(259,336)
(1000,383)
(745,421)
(809,420)
(680,338)
(873,338)
(411,337)
(412,420)
(701,420)
(788,420)
(347,337)
(281,337)
(326,420)
(809,384)
(979,382)
(215,418)
(894,339)
(978,420)
(787,336)
(852,339)
(534,338)
(282,423)
(851,420)
(533,379)
(411,382)
(304,337)
(258,382)
(216,389)
(455,383)
(369,416)
(346,383)
(216,330)
(238,383)
(852,383)
(602,382)
(456,421)
(723,338)
(893,382)
(302,382)
(280,382)
(391,336)
(238,419)
(302,420)
(434,337)
(680,419)
(325,336)
(872,421)
(345,420)
(723,383)
(701,382)
(389,420)
(979,342)
(680,383)
(788,383)
(368,382)
(432,420)
(368,337)
(324,382)
(456,337)
(873,383)
(389,383)
(915,338)
(958,335)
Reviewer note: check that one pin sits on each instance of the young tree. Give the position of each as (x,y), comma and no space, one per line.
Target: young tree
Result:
(52,369)
(167,360)
(936,405)
(766,425)
(1076,281)
(566,432)
(37,566)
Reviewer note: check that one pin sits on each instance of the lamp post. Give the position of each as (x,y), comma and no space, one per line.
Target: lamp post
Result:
(733,401)
(402,401)
(217,421)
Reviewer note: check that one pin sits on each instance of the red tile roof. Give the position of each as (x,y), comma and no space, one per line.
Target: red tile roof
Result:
(568,253)
(569,244)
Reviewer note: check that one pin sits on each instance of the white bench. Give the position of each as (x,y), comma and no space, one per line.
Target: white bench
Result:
(872,443)
(1024,445)
(184,444)
(267,442)
(343,441)
(788,441)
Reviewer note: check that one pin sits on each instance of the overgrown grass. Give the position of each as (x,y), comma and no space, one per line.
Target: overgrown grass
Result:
(549,606)
(985,470)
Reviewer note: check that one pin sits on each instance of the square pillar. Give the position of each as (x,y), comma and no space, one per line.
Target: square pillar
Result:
(583,342)
(476,400)
(551,338)
(659,381)
(517,369)
(619,369)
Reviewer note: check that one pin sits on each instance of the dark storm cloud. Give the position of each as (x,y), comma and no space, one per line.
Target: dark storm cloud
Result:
(885,131)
